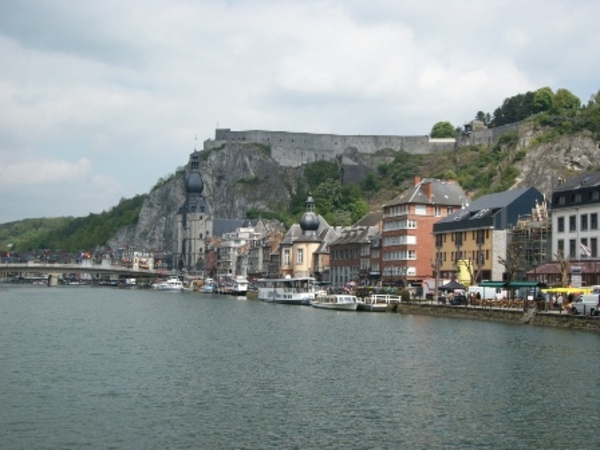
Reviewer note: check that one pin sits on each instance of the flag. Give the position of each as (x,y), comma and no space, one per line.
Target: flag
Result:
(585,250)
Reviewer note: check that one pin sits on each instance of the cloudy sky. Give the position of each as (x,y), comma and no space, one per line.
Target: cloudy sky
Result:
(101,99)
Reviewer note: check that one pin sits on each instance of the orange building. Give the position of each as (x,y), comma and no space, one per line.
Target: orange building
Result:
(407,244)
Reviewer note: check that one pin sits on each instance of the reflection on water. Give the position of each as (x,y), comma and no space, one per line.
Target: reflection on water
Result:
(109,368)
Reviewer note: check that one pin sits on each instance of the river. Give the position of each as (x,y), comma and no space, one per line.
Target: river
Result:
(107,368)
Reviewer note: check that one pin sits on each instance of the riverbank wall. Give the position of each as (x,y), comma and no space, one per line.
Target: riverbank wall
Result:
(531,317)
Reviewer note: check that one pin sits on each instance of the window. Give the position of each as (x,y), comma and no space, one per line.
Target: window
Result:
(583,222)
(420,210)
(594,247)
(458,238)
(594,221)
(572,248)
(450,209)
(572,223)
(286,257)
(561,246)
(480,237)
(300,256)
(438,240)
(561,225)
(437,211)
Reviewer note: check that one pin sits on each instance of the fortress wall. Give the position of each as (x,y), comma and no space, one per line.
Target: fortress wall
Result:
(293,149)
(487,136)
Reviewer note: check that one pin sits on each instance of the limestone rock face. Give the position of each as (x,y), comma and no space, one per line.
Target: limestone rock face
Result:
(237,178)
(545,163)
(154,230)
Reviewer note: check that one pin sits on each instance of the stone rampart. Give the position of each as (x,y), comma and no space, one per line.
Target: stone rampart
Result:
(486,136)
(294,149)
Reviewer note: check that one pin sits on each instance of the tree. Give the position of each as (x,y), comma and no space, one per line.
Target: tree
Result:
(542,99)
(564,99)
(442,130)
(563,267)
(513,261)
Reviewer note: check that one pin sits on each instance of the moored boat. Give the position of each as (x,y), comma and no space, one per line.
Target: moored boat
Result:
(378,302)
(291,291)
(172,284)
(343,302)
(240,286)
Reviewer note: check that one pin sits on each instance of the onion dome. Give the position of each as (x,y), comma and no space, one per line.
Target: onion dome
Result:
(309,220)
(194,183)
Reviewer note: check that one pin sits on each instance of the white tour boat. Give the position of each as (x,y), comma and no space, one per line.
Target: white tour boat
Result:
(292,291)
(172,284)
(344,302)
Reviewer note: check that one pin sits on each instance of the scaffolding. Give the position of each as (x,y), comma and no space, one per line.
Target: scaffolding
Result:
(533,235)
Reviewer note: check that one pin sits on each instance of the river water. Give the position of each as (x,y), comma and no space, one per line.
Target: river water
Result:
(105,368)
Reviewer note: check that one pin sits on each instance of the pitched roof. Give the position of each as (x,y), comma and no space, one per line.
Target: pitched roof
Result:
(222,226)
(485,206)
(578,182)
(371,219)
(432,191)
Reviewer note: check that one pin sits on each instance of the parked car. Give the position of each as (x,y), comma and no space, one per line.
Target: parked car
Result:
(586,304)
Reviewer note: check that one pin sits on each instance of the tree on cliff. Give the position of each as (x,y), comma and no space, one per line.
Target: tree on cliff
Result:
(564,99)
(442,130)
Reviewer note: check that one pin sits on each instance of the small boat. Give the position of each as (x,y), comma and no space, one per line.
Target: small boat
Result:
(343,302)
(240,286)
(378,302)
(207,288)
(172,284)
(290,291)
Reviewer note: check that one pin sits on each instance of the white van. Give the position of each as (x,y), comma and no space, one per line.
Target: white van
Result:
(587,305)
(487,293)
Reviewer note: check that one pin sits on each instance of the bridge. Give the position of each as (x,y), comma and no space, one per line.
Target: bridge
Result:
(54,270)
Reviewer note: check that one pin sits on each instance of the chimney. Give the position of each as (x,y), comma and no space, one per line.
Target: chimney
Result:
(417,180)
(427,189)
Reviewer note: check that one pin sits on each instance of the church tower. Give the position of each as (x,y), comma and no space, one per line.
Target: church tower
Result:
(194,223)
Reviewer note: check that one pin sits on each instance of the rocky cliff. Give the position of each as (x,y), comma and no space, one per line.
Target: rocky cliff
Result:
(546,162)
(241,176)
(237,178)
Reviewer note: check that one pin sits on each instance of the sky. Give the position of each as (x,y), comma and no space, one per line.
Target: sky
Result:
(99,100)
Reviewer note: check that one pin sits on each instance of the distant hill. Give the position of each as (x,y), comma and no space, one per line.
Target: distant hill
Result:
(69,234)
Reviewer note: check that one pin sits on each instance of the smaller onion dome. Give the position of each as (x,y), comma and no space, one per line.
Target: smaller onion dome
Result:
(194,183)
(309,220)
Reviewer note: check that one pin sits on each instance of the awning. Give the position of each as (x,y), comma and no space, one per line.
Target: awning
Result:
(452,286)
(493,284)
(525,284)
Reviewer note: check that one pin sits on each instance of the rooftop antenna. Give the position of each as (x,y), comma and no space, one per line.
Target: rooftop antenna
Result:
(195,141)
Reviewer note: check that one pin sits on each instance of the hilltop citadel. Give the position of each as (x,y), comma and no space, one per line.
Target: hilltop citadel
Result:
(294,149)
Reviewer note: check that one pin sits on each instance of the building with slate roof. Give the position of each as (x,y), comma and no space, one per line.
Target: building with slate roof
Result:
(350,256)
(301,242)
(407,246)
(193,223)
(469,242)
(575,212)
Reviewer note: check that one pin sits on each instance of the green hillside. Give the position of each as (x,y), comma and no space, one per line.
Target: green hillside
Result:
(480,169)
(67,233)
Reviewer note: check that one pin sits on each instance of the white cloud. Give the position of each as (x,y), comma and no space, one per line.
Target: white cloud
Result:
(44,172)
(117,91)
